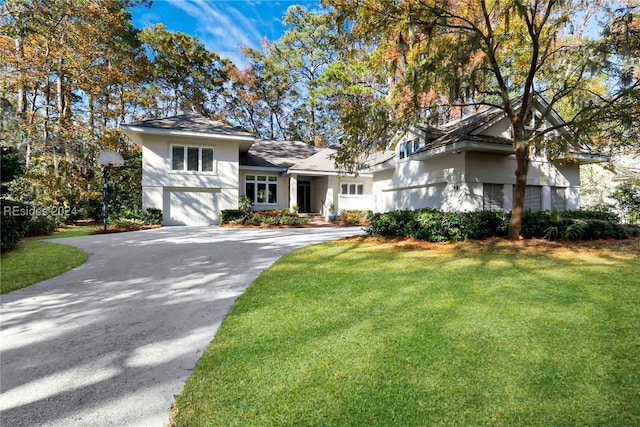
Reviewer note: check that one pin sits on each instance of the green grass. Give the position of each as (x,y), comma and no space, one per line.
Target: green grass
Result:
(73,231)
(353,334)
(33,261)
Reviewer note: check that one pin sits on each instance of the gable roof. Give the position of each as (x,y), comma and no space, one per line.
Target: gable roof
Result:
(278,154)
(323,162)
(467,133)
(191,122)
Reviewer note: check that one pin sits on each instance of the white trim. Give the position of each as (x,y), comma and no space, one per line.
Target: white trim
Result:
(157,131)
(349,184)
(326,173)
(268,182)
(262,168)
(185,161)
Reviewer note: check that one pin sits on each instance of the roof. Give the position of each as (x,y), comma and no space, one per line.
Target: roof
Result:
(323,161)
(274,153)
(191,122)
(469,130)
(319,162)
(465,130)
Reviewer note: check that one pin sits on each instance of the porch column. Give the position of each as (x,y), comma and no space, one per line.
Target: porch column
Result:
(293,191)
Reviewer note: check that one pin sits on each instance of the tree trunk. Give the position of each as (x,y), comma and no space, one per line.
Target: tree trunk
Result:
(522,162)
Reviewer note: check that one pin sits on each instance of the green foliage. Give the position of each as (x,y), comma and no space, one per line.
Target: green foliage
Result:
(230,215)
(136,218)
(437,226)
(152,216)
(11,167)
(627,195)
(245,206)
(15,216)
(263,218)
(42,225)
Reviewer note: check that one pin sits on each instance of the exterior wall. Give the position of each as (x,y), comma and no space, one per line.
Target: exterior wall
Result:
(157,173)
(454,182)
(416,184)
(355,202)
(283,190)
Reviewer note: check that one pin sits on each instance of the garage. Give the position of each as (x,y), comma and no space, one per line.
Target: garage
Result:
(190,207)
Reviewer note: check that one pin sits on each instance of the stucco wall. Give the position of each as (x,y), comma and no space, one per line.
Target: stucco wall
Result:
(157,173)
(454,182)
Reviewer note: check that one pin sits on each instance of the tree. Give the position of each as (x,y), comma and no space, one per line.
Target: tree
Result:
(305,50)
(184,71)
(262,95)
(503,53)
(71,69)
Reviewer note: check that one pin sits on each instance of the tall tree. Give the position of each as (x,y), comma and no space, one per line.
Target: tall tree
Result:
(54,55)
(501,53)
(190,76)
(307,48)
(262,95)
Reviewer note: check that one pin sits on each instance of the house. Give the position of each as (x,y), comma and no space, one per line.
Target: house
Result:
(194,167)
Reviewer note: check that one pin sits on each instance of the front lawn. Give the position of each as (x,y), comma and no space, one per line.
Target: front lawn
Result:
(495,333)
(33,261)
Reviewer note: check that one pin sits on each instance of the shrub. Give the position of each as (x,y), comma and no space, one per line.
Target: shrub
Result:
(122,222)
(41,225)
(245,205)
(231,215)
(152,216)
(15,216)
(355,217)
(438,226)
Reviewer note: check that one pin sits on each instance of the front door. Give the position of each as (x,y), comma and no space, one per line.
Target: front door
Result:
(304,196)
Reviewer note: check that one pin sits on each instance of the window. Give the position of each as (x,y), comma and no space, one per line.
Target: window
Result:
(408,147)
(261,188)
(492,197)
(532,198)
(558,198)
(351,189)
(192,159)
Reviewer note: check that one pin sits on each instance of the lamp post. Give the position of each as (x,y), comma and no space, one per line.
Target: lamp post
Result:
(108,159)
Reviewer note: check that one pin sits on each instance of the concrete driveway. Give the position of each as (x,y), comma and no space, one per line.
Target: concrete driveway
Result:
(112,341)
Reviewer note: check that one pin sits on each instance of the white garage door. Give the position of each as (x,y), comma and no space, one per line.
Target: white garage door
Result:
(190,207)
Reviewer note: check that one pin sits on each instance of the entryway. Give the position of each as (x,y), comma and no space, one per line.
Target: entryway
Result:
(304,196)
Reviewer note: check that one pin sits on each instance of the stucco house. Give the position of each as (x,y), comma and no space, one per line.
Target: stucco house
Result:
(194,167)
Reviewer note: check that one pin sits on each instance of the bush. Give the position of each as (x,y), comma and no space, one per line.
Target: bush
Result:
(152,216)
(438,226)
(273,217)
(231,215)
(122,222)
(41,225)
(129,218)
(15,216)
(245,205)
(355,217)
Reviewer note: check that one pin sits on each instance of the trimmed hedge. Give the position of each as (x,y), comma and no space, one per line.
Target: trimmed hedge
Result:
(272,217)
(438,226)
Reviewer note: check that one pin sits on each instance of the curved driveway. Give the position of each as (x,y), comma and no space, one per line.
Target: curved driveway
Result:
(113,340)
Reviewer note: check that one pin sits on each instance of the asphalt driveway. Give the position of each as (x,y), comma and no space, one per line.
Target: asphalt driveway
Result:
(113,340)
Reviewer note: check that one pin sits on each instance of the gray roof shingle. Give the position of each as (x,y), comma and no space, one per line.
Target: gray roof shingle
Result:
(191,122)
(280,154)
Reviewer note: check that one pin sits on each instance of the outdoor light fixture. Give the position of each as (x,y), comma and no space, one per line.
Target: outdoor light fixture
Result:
(108,159)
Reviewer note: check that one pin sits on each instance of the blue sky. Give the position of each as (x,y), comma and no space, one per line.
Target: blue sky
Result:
(223,26)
